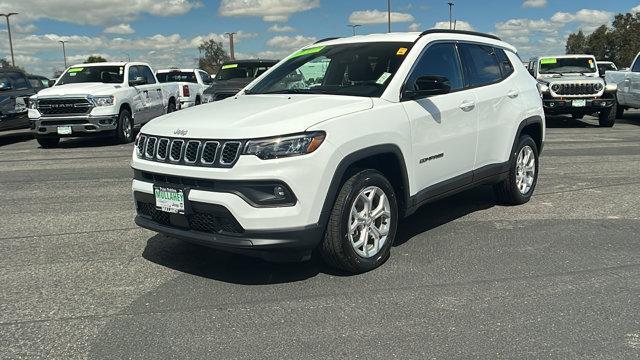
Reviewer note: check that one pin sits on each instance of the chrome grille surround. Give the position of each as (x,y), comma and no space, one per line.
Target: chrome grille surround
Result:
(190,152)
(576,89)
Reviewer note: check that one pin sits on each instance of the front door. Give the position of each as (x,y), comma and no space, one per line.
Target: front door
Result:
(443,127)
(140,111)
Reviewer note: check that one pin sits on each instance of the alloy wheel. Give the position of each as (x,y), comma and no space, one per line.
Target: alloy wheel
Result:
(525,169)
(369,221)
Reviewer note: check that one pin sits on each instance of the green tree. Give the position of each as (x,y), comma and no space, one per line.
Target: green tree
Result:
(576,43)
(600,42)
(626,38)
(212,56)
(95,59)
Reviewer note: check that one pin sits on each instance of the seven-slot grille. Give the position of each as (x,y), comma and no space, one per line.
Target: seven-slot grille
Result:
(189,151)
(65,106)
(577,89)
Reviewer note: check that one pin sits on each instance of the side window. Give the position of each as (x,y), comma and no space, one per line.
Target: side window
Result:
(439,60)
(133,73)
(18,81)
(636,65)
(206,79)
(148,74)
(505,64)
(480,64)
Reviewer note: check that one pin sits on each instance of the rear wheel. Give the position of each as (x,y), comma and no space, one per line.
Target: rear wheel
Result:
(198,101)
(171,107)
(607,117)
(48,142)
(124,130)
(362,225)
(518,187)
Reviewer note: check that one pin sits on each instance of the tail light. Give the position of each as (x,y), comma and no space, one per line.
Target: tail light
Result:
(185,91)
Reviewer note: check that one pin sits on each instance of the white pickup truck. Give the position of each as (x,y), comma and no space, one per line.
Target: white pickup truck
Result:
(628,82)
(100,98)
(191,84)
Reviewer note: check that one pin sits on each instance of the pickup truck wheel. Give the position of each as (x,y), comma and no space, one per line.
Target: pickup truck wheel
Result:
(619,112)
(362,224)
(198,101)
(607,117)
(518,187)
(48,142)
(124,130)
(171,107)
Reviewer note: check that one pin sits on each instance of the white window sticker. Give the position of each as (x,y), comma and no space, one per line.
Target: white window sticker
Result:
(381,80)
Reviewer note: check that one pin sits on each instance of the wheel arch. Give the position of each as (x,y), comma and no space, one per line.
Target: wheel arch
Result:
(532,126)
(386,158)
(126,106)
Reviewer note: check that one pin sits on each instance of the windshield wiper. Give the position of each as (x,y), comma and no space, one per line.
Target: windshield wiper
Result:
(296,91)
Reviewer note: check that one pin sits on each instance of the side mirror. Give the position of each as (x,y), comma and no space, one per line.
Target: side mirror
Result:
(426,86)
(50,83)
(139,80)
(5,86)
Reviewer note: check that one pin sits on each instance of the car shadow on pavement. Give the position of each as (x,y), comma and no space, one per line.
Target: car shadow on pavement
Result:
(87,142)
(14,137)
(239,269)
(560,122)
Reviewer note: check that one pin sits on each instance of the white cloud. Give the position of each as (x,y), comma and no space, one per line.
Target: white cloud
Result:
(459,24)
(122,29)
(415,27)
(281,28)
(269,10)
(290,42)
(366,17)
(534,3)
(588,19)
(95,12)
(635,9)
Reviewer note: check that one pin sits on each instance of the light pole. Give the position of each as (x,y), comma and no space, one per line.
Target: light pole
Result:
(450,15)
(388,15)
(13,60)
(64,52)
(354,26)
(231,49)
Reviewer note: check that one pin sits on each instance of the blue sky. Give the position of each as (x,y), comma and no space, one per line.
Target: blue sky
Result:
(166,32)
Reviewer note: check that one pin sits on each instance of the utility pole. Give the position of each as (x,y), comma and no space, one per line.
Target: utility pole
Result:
(231,49)
(388,15)
(64,53)
(13,60)
(354,26)
(450,15)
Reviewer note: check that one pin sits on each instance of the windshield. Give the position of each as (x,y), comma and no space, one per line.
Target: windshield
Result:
(177,76)
(602,67)
(567,65)
(239,71)
(360,69)
(103,74)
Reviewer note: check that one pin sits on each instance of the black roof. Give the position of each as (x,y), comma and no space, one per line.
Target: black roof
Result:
(251,61)
(462,32)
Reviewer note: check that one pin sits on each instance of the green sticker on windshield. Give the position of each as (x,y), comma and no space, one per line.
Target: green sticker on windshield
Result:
(549,61)
(74,70)
(229,66)
(308,51)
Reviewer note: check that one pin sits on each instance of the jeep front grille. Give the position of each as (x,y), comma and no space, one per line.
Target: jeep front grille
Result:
(64,106)
(210,153)
(577,89)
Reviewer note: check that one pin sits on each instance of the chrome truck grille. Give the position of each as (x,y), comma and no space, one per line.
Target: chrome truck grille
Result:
(64,106)
(192,152)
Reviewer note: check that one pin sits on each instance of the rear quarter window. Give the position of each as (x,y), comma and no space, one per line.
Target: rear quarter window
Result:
(480,64)
(505,64)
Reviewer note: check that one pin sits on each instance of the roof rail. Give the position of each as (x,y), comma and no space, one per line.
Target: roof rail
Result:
(462,32)
(326,39)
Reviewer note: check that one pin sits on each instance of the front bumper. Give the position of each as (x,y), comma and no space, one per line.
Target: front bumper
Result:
(80,125)
(566,106)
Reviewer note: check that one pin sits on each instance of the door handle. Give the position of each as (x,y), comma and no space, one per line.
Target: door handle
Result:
(513,94)
(467,106)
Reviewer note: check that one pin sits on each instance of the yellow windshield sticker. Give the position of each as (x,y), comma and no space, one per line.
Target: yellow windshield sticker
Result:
(308,51)
(229,66)
(73,70)
(402,51)
(549,61)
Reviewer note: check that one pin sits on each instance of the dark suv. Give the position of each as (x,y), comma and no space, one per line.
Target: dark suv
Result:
(234,76)
(15,91)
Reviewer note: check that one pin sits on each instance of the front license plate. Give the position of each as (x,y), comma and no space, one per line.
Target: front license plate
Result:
(64,130)
(169,200)
(579,103)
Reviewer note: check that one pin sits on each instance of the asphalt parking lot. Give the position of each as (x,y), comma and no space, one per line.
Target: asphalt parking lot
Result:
(556,278)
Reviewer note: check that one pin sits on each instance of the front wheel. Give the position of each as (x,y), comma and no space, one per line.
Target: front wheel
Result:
(124,130)
(518,187)
(362,225)
(607,117)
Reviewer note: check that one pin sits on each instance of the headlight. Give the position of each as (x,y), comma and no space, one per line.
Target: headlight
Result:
(597,87)
(284,146)
(33,103)
(543,88)
(208,97)
(611,87)
(103,100)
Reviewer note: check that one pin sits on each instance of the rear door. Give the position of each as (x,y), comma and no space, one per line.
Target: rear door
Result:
(443,127)
(140,111)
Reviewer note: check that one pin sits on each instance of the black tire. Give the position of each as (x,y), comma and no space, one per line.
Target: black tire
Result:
(124,130)
(336,249)
(619,111)
(48,142)
(171,107)
(507,190)
(577,117)
(198,101)
(607,117)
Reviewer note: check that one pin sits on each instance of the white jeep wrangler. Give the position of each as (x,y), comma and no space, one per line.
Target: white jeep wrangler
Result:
(289,166)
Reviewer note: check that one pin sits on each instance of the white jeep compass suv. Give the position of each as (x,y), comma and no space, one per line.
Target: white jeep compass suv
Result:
(333,146)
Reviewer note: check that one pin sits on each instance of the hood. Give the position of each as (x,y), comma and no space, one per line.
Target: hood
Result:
(571,79)
(256,116)
(231,85)
(80,89)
